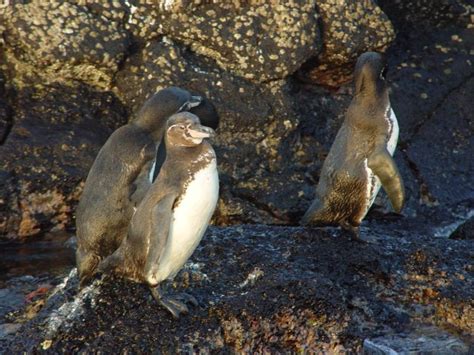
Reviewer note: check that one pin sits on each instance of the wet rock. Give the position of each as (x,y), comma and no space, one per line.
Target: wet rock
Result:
(442,148)
(50,40)
(349,28)
(259,41)
(275,289)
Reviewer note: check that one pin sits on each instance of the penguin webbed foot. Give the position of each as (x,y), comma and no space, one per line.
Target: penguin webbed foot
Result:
(175,304)
(352,232)
(187,298)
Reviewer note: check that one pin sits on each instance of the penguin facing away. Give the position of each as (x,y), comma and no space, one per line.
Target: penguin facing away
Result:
(360,159)
(119,178)
(170,221)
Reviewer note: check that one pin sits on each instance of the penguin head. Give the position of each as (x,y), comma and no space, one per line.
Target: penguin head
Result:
(207,113)
(185,130)
(370,74)
(164,103)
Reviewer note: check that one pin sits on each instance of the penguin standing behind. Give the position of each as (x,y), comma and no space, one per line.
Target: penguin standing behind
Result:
(360,159)
(172,218)
(119,178)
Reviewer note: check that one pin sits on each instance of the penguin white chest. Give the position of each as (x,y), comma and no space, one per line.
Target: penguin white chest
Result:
(394,131)
(190,220)
(374,184)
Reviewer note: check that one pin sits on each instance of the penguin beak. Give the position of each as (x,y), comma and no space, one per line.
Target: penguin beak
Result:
(200,132)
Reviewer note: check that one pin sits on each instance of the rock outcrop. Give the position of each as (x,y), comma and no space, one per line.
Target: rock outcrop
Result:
(280,289)
(349,29)
(72,73)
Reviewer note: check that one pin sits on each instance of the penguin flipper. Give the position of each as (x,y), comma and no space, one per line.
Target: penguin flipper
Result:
(159,231)
(384,167)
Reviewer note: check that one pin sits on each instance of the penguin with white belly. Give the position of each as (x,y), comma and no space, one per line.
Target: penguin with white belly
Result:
(120,177)
(173,216)
(360,159)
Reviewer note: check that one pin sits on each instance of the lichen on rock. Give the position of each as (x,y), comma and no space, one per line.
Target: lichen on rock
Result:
(259,41)
(57,40)
(349,28)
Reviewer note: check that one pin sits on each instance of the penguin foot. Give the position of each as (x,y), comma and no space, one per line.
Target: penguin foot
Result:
(352,232)
(175,304)
(175,307)
(187,298)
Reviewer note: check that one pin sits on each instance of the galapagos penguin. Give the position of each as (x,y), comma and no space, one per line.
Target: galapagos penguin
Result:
(360,159)
(172,218)
(119,178)
(208,116)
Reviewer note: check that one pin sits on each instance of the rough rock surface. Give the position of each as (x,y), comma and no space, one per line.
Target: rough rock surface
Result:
(349,29)
(277,289)
(236,34)
(274,134)
(59,41)
(56,134)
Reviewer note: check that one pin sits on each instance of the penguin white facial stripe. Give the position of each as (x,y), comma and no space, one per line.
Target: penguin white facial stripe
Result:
(190,104)
(175,126)
(152,171)
(393,139)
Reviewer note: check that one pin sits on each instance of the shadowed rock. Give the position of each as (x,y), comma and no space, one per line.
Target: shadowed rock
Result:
(273,289)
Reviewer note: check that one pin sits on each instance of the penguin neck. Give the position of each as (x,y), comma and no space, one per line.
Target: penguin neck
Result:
(184,153)
(371,95)
(156,130)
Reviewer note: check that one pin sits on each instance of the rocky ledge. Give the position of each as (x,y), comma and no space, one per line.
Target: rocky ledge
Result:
(267,288)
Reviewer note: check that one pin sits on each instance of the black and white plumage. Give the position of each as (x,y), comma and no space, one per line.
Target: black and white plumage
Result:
(207,113)
(170,221)
(119,178)
(360,159)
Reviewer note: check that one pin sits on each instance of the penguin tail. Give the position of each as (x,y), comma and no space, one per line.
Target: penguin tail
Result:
(311,215)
